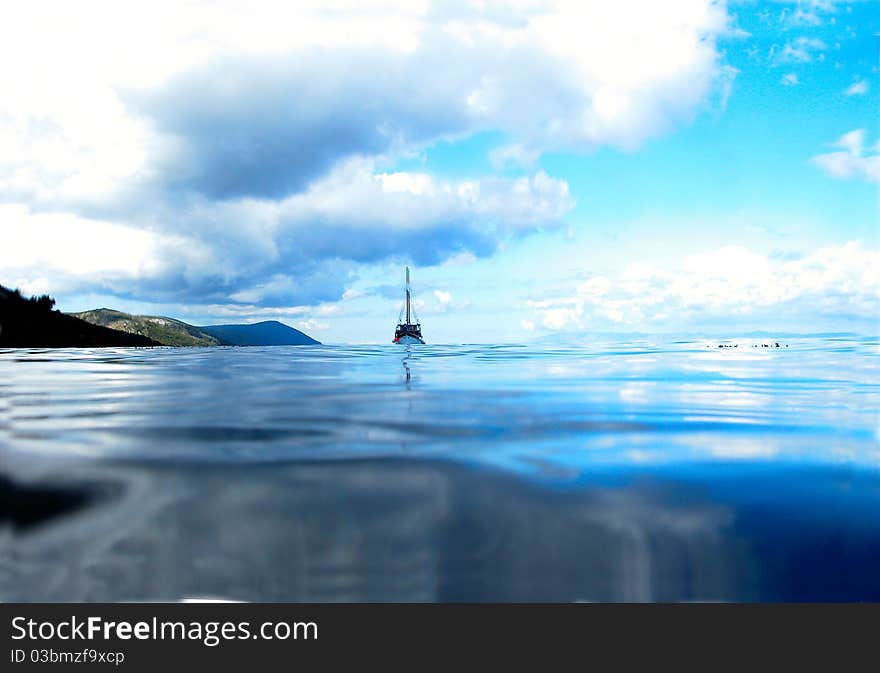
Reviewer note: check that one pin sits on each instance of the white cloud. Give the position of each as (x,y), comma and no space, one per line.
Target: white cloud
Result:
(809,13)
(444,301)
(60,249)
(551,75)
(800,50)
(443,297)
(312,325)
(803,17)
(791,79)
(852,159)
(633,70)
(725,286)
(276,253)
(859,88)
(559,318)
(440,219)
(33,286)
(245,151)
(462,258)
(598,286)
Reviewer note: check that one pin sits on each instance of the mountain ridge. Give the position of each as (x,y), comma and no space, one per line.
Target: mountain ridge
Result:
(264,333)
(172,332)
(164,330)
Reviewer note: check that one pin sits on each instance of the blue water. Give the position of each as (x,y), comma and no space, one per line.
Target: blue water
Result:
(636,470)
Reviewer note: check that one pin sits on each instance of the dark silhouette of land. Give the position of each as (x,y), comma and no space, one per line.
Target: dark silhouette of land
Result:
(34,323)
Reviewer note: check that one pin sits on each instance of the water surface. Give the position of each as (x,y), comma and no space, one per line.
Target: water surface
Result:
(621,470)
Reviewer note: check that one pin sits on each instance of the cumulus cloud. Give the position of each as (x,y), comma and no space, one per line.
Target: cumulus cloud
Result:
(729,284)
(791,79)
(252,146)
(551,76)
(265,126)
(59,250)
(296,250)
(220,100)
(851,159)
(859,88)
(359,214)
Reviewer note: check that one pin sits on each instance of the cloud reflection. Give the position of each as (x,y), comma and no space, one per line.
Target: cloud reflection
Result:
(382,530)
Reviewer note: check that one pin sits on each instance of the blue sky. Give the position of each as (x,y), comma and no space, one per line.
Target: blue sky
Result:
(546,168)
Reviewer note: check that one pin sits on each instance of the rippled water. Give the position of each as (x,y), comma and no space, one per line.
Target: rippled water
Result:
(637,470)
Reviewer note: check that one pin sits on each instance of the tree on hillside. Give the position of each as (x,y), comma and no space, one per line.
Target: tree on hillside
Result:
(16,300)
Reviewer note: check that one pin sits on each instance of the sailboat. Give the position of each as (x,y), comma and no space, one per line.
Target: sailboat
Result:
(410,330)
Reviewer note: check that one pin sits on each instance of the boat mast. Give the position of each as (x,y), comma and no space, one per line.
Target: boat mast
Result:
(407,295)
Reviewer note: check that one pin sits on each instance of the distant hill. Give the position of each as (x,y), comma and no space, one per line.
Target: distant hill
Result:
(171,332)
(267,333)
(32,323)
(166,331)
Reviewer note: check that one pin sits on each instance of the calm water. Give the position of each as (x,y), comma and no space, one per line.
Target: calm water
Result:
(618,471)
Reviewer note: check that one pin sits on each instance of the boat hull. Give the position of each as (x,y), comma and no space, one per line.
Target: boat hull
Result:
(408,339)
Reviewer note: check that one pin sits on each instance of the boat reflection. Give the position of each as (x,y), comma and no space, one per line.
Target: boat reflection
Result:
(405,363)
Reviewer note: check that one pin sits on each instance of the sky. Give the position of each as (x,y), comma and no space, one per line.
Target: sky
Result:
(549,170)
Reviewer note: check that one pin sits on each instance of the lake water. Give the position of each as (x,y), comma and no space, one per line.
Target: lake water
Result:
(639,470)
